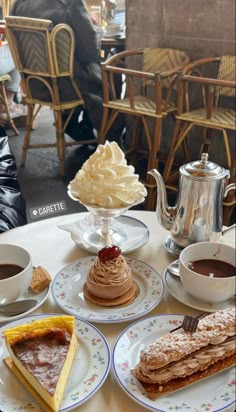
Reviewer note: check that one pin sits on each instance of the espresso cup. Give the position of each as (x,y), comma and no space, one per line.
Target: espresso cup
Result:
(208,288)
(15,272)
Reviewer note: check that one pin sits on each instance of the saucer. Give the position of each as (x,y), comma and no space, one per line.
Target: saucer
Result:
(176,289)
(39,297)
(137,233)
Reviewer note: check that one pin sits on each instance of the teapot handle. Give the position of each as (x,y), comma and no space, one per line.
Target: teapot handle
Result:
(228,188)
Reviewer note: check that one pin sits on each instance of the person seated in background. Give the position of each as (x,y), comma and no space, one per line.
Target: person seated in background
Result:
(87,68)
(12,86)
(12,204)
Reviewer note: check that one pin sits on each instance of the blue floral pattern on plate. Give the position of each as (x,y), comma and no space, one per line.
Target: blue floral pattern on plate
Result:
(90,369)
(67,291)
(214,394)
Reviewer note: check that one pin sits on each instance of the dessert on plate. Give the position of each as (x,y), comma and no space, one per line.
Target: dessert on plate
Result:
(106,181)
(42,353)
(109,281)
(180,358)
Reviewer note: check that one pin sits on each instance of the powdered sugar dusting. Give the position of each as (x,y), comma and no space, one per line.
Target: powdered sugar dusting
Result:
(172,347)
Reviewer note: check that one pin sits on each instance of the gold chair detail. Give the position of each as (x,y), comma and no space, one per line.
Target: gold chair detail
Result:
(212,114)
(6,7)
(149,95)
(3,100)
(44,55)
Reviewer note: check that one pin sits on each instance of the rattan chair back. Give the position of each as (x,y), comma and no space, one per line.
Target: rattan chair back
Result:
(44,56)
(215,111)
(227,71)
(163,61)
(150,93)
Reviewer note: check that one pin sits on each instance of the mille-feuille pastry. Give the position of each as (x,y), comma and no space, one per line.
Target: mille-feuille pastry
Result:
(42,353)
(109,281)
(179,359)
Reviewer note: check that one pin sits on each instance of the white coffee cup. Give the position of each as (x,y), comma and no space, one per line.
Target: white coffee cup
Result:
(209,289)
(14,286)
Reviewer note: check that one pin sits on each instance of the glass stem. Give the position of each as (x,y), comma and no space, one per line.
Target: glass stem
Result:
(105,229)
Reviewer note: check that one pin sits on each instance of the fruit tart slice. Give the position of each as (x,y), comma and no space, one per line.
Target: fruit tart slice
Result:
(42,353)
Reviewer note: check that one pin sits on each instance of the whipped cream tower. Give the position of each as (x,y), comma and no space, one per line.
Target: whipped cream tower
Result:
(105,180)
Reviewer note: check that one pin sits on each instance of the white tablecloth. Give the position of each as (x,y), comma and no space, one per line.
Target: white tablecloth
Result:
(53,248)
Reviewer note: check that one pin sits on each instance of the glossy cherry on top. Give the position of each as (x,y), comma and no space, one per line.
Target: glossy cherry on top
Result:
(109,252)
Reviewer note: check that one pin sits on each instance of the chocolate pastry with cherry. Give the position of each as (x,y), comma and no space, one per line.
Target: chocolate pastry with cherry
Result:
(109,281)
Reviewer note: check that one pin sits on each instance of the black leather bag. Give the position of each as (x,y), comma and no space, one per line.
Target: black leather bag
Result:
(12,204)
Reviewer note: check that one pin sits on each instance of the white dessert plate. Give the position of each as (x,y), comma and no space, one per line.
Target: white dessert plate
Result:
(39,297)
(214,394)
(176,289)
(137,232)
(67,291)
(90,369)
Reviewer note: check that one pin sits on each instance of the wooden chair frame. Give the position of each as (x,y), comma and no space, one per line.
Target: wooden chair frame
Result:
(211,90)
(141,107)
(54,68)
(3,96)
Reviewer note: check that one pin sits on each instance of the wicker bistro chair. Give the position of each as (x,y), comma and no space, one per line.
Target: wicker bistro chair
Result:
(44,55)
(3,100)
(159,70)
(212,113)
(6,7)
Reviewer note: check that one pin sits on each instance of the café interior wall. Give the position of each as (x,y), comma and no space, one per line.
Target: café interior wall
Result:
(202,28)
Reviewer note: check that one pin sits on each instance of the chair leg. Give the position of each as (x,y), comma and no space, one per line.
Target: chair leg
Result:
(227,149)
(107,122)
(153,162)
(205,146)
(60,141)
(178,141)
(170,158)
(9,118)
(101,134)
(26,142)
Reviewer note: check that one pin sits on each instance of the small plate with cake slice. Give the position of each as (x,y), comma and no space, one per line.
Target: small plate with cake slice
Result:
(164,367)
(50,362)
(107,288)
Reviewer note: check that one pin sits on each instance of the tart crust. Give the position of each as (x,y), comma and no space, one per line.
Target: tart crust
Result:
(38,329)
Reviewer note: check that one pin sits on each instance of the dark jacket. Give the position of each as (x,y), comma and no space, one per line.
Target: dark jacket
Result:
(12,204)
(87,69)
(75,14)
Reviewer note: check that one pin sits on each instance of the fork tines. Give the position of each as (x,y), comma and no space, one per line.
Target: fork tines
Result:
(190,323)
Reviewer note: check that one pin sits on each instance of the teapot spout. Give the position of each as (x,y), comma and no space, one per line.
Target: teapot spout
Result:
(165,213)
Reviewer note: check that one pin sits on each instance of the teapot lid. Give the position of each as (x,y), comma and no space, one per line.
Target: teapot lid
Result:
(204,168)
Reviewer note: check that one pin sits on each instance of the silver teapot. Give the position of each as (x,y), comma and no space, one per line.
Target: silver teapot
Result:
(198,213)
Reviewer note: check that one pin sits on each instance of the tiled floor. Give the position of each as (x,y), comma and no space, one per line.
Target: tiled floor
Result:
(40,181)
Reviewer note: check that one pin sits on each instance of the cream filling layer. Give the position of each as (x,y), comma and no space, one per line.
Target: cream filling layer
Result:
(212,330)
(109,279)
(195,363)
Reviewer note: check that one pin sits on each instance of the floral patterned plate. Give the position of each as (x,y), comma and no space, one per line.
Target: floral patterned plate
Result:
(214,394)
(67,291)
(90,369)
